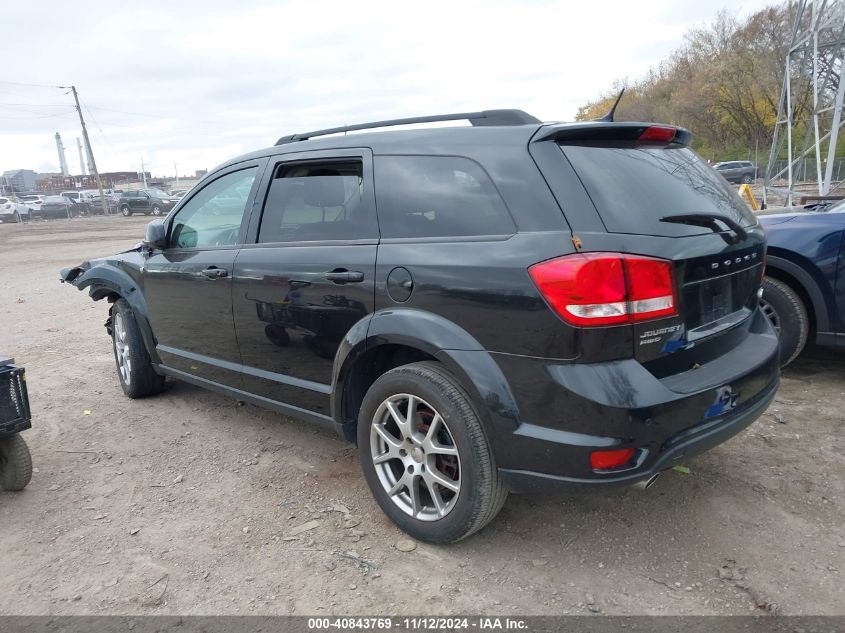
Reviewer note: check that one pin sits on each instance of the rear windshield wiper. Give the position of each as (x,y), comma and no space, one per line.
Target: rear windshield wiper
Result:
(708,220)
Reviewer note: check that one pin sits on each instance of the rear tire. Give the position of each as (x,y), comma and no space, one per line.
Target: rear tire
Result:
(135,370)
(788,315)
(124,210)
(15,463)
(156,210)
(411,460)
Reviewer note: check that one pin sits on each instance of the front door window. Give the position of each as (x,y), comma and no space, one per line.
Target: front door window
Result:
(213,216)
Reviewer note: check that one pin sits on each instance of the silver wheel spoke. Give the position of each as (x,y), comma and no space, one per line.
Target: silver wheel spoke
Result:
(397,487)
(414,492)
(401,422)
(430,443)
(435,496)
(383,433)
(437,477)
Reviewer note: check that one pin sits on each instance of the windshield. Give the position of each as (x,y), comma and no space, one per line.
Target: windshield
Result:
(155,193)
(633,188)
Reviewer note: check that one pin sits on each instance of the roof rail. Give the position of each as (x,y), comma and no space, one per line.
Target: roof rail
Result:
(485,117)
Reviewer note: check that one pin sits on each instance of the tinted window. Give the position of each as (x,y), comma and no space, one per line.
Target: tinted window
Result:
(317,201)
(633,188)
(437,196)
(213,216)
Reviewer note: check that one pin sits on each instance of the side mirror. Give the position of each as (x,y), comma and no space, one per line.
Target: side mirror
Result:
(156,235)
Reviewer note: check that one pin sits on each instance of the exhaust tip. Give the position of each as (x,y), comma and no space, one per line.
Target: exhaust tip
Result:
(645,484)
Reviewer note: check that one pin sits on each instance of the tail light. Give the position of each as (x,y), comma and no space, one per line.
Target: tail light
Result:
(600,289)
(604,460)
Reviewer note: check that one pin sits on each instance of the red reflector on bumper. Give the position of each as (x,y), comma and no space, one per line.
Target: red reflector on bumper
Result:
(602,460)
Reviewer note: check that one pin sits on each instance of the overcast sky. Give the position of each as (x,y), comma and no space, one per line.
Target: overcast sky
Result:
(195,83)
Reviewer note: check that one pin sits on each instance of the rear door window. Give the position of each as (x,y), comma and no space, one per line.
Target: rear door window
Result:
(634,187)
(437,196)
(317,201)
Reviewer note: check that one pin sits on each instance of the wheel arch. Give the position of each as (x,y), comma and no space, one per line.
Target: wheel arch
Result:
(392,338)
(799,277)
(110,283)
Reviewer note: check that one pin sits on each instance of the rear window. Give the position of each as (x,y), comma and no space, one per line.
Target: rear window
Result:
(634,187)
(437,196)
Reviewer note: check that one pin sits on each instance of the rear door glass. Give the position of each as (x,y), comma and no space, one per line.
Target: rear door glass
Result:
(634,187)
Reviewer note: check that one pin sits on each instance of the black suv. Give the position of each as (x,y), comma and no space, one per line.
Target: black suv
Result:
(483,309)
(146,201)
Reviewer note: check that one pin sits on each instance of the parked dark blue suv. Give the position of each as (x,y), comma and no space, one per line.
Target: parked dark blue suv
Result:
(804,289)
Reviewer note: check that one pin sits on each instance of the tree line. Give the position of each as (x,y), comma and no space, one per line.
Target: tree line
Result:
(723,84)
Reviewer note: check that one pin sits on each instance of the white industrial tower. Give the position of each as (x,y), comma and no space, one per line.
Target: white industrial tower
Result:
(61,149)
(84,170)
(810,110)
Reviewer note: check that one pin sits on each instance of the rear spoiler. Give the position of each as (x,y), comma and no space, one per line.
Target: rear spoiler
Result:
(605,133)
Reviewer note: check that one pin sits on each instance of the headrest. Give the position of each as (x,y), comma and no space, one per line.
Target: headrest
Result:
(324,188)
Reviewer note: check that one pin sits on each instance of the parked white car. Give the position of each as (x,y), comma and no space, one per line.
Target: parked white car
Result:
(13,210)
(33,202)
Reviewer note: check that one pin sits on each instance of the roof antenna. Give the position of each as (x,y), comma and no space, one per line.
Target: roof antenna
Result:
(608,118)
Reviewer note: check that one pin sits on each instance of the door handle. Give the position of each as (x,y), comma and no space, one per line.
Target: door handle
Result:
(343,276)
(212,272)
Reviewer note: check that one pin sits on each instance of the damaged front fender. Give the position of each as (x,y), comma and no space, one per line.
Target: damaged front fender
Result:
(117,277)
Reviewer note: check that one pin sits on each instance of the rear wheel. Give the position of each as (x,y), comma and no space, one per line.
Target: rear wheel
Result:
(788,315)
(124,210)
(156,210)
(15,463)
(134,367)
(425,455)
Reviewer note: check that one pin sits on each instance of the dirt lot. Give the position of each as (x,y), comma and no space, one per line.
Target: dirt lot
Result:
(189,503)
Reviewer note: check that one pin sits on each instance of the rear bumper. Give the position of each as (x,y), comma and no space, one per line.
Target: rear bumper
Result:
(694,441)
(565,411)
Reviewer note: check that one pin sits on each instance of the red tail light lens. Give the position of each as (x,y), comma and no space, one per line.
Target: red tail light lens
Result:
(603,460)
(658,134)
(601,289)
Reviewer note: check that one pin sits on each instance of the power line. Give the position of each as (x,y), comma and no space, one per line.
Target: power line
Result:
(40,116)
(36,105)
(20,83)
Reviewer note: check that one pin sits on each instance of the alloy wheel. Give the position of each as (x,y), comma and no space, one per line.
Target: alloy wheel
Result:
(415,457)
(122,349)
(771,315)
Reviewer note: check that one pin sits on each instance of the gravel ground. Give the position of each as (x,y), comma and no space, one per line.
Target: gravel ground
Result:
(189,503)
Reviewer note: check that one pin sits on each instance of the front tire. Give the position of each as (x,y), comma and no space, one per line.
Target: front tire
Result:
(15,463)
(425,455)
(156,210)
(135,370)
(747,179)
(788,315)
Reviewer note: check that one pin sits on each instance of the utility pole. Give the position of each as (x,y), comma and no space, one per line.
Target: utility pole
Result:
(143,174)
(176,169)
(91,161)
